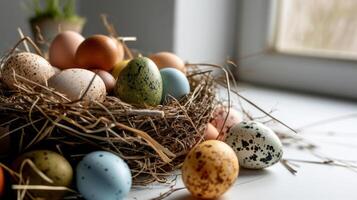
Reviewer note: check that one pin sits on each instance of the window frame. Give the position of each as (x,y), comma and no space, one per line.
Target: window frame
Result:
(312,73)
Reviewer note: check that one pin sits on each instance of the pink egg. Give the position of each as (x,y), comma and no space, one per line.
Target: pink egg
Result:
(219,115)
(211,132)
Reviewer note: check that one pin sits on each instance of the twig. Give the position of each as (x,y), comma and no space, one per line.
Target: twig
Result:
(22,36)
(286,164)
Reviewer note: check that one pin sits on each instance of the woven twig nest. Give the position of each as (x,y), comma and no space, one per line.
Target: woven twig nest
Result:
(152,140)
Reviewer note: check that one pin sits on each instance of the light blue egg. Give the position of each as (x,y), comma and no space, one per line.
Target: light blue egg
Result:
(102,175)
(175,83)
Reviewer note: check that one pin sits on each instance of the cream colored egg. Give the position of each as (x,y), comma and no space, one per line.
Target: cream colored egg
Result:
(210,169)
(57,70)
(28,65)
(74,82)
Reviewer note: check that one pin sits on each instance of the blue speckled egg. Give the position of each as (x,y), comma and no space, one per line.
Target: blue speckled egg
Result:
(102,175)
(175,83)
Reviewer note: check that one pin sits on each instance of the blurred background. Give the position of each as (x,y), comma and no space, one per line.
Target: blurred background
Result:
(305,45)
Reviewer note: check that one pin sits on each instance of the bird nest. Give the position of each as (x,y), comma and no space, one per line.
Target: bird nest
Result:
(152,140)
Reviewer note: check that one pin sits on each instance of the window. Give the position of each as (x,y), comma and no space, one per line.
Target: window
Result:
(297,55)
(318,28)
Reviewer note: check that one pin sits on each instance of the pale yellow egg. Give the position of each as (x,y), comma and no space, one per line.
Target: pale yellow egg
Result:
(119,67)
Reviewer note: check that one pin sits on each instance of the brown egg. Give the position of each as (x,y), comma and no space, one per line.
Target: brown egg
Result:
(210,169)
(167,59)
(2,182)
(63,49)
(99,52)
(107,78)
(211,133)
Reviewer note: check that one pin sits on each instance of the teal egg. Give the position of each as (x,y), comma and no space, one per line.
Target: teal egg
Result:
(103,175)
(140,83)
(175,83)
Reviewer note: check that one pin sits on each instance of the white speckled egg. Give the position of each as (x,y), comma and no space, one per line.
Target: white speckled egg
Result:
(73,83)
(255,144)
(28,65)
(102,175)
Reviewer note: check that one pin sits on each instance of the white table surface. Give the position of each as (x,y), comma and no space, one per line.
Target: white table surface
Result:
(336,139)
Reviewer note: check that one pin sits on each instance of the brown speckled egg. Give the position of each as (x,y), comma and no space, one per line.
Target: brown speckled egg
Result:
(51,164)
(219,115)
(73,83)
(107,78)
(63,49)
(167,59)
(210,169)
(211,133)
(28,65)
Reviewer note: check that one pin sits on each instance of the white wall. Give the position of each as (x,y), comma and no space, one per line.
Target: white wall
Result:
(205,30)
(150,21)
(199,30)
(12,15)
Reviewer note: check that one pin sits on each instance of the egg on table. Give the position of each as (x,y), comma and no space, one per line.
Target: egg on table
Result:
(118,67)
(255,144)
(210,169)
(107,78)
(63,49)
(219,115)
(211,133)
(167,59)
(103,175)
(175,84)
(52,165)
(28,65)
(99,52)
(140,83)
(74,82)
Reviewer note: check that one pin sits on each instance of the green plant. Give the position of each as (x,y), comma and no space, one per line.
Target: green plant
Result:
(55,9)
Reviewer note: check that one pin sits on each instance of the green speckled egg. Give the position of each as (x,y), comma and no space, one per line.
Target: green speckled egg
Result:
(53,165)
(140,83)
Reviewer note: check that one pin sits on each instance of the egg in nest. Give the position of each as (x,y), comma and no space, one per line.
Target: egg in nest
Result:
(28,65)
(52,165)
(140,83)
(73,83)
(99,52)
(63,49)
(168,60)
